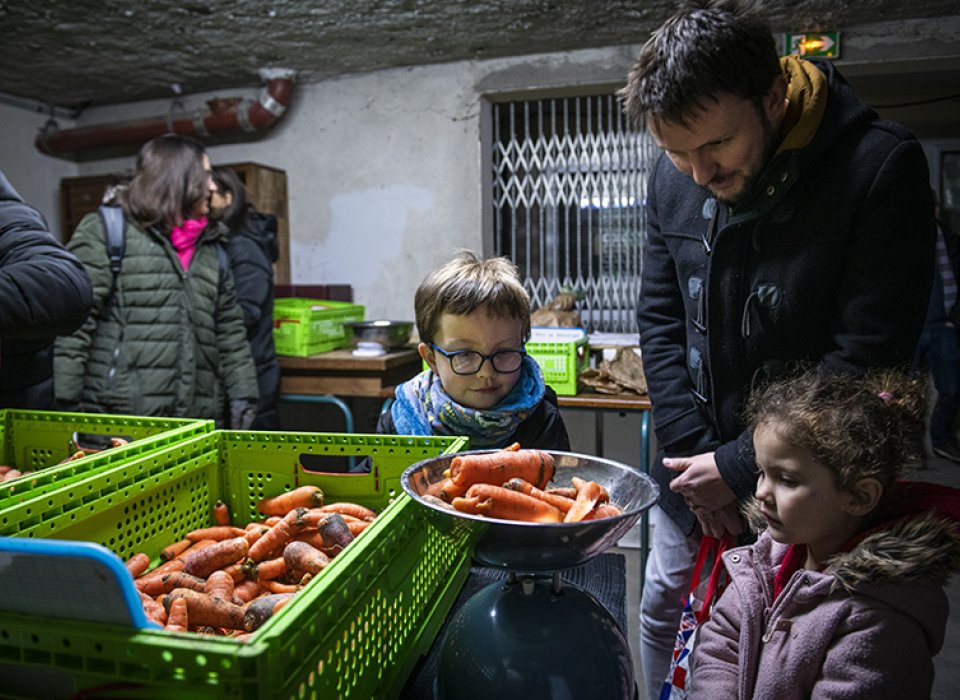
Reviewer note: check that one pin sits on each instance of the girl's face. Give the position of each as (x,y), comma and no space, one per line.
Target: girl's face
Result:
(482,333)
(799,497)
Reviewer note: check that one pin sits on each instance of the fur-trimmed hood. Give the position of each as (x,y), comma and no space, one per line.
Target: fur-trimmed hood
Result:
(916,540)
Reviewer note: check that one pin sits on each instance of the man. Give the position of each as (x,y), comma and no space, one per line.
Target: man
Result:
(786,224)
(44,292)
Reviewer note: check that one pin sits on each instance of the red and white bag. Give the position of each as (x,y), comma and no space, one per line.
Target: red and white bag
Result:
(696,611)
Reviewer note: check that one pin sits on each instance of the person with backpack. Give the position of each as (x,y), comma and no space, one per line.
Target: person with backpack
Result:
(165,336)
(252,248)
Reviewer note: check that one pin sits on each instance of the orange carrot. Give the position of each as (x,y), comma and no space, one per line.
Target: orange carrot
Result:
(535,466)
(138,563)
(167,567)
(221,513)
(604,510)
(255,533)
(217,532)
(172,551)
(235,571)
(153,610)
(215,556)
(559,502)
(181,579)
(588,495)
(498,502)
(303,497)
(272,520)
(277,587)
(267,570)
(356,527)
(203,609)
(300,556)
(245,591)
(347,508)
(446,489)
(565,491)
(177,619)
(219,585)
(279,535)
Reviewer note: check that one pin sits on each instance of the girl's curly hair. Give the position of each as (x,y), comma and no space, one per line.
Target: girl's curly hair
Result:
(869,425)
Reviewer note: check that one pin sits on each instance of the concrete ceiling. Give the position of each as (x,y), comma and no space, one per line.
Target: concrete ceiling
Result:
(77,53)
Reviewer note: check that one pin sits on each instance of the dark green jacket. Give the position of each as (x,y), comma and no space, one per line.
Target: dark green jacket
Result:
(171,342)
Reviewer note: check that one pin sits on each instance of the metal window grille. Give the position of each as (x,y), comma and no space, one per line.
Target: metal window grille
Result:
(569,179)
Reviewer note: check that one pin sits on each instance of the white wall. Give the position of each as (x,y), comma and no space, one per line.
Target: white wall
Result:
(383,169)
(35,176)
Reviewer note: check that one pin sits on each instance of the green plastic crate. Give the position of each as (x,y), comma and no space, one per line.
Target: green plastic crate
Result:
(37,441)
(356,631)
(303,327)
(561,363)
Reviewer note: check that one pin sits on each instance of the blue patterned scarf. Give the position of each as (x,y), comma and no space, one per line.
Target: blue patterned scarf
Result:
(424,408)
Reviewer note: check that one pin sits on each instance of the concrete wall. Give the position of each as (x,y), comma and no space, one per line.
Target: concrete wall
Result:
(35,176)
(383,169)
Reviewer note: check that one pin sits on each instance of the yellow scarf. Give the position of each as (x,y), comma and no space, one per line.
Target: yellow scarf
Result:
(806,102)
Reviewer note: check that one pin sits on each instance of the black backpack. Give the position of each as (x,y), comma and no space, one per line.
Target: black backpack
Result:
(115,228)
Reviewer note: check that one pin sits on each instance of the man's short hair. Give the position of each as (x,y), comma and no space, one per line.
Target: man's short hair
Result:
(709,48)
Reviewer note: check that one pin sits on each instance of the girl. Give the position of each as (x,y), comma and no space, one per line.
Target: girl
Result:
(473,316)
(842,594)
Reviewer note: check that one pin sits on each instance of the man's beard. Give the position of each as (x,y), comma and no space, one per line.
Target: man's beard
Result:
(753,175)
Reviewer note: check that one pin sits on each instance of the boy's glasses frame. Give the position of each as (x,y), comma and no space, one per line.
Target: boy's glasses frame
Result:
(461,361)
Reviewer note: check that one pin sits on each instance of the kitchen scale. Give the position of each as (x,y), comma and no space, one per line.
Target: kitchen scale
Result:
(532,635)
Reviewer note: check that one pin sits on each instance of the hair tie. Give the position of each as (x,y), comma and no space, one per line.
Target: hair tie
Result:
(886,396)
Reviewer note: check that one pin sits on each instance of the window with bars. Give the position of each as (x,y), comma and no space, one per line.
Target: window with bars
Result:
(569,178)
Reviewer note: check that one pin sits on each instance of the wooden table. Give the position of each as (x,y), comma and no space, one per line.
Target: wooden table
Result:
(328,376)
(342,373)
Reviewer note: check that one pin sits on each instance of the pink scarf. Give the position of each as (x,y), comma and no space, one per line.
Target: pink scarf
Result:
(184,239)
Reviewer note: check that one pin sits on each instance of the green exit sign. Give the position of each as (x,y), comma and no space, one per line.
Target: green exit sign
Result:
(813,44)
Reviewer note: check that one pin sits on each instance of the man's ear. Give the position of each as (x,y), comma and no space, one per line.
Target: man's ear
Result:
(774,102)
(428,355)
(864,496)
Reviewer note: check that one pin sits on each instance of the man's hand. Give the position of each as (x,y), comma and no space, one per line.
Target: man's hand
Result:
(716,523)
(699,481)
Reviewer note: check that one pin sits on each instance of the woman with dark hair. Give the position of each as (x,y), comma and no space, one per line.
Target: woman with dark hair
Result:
(252,249)
(165,336)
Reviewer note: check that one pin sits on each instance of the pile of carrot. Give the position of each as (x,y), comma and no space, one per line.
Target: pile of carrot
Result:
(513,484)
(8,473)
(227,581)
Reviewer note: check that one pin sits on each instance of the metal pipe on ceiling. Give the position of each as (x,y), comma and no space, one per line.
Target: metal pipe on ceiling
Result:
(223,116)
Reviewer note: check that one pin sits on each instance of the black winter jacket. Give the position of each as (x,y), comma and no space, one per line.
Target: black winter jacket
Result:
(252,251)
(44,292)
(830,262)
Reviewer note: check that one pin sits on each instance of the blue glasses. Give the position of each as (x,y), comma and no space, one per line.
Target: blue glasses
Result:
(467,362)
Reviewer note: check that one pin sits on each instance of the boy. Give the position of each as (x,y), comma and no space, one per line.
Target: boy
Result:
(473,316)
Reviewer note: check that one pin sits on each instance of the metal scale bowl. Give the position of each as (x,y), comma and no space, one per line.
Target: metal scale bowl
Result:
(529,636)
